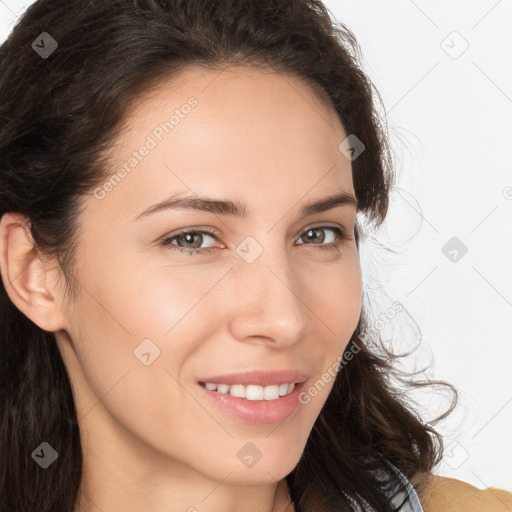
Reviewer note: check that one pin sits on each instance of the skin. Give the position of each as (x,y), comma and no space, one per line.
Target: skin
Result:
(150,440)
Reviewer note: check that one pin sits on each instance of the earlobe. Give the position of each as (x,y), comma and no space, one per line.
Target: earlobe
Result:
(25,278)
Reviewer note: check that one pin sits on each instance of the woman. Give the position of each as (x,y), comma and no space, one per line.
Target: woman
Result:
(145,370)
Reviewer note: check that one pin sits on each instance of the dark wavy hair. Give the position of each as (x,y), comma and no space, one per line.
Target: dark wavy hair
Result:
(58,118)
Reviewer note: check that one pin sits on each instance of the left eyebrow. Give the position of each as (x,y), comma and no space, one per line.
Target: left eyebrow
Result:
(237,209)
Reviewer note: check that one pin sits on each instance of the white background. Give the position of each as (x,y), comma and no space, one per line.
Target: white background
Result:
(450,118)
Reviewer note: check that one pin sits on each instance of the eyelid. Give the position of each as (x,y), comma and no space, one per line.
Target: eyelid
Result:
(200,229)
(321,225)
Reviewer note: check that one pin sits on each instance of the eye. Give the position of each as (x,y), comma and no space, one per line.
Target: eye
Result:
(334,240)
(187,237)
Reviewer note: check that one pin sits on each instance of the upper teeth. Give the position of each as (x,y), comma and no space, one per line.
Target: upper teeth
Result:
(251,391)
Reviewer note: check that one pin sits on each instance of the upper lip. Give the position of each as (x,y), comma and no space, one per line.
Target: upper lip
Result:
(259,377)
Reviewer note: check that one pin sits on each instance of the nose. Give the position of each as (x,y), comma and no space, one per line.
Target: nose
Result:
(268,303)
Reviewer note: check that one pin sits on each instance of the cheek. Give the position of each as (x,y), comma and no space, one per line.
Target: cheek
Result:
(144,301)
(336,307)
(155,313)
(336,298)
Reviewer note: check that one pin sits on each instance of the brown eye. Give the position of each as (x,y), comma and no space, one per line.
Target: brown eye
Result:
(333,242)
(190,241)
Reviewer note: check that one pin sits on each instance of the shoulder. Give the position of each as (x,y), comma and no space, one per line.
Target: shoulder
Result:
(443,494)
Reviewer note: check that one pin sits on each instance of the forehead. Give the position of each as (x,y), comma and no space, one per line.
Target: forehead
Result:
(235,85)
(235,131)
(259,100)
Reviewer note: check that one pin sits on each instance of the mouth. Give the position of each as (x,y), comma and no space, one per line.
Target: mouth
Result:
(252,403)
(251,391)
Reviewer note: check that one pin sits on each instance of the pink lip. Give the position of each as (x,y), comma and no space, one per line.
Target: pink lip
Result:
(261,412)
(259,377)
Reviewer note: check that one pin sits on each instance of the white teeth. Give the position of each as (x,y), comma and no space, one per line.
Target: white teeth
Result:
(237,390)
(252,391)
(268,392)
(223,388)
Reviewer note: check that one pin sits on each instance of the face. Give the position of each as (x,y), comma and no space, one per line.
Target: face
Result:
(279,288)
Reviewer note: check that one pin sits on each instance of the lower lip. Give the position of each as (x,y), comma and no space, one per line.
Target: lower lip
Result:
(261,412)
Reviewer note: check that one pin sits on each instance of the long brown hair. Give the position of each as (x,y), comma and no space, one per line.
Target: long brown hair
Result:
(60,111)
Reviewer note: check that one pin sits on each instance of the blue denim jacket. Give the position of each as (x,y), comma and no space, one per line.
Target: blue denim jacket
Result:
(413,504)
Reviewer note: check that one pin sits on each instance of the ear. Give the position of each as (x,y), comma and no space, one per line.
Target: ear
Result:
(26,279)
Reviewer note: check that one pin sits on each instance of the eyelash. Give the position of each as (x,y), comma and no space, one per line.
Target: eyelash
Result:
(166,242)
